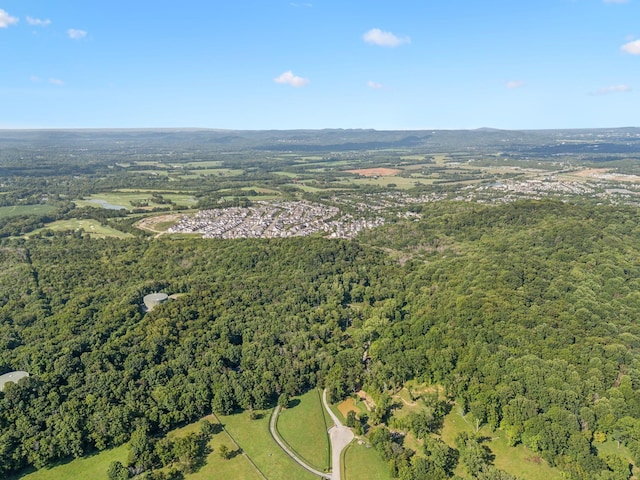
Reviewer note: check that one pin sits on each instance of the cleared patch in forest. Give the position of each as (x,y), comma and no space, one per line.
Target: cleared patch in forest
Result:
(17,210)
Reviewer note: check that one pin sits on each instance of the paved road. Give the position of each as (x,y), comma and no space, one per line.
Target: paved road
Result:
(276,437)
(340,435)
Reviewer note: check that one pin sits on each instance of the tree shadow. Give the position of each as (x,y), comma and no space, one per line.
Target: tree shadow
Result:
(293,403)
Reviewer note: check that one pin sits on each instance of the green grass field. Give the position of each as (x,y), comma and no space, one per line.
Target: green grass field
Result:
(312,441)
(16,210)
(90,226)
(255,440)
(215,466)
(518,460)
(93,467)
(361,461)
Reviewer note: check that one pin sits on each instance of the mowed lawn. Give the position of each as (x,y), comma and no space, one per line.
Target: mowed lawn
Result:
(16,210)
(94,467)
(362,461)
(304,428)
(254,438)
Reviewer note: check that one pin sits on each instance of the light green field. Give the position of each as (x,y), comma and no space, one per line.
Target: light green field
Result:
(311,442)
(288,174)
(400,182)
(203,164)
(518,460)
(215,466)
(92,227)
(93,467)
(362,461)
(219,172)
(16,210)
(124,199)
(256,441)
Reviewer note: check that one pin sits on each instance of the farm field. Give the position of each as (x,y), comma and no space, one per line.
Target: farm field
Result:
(17,210)
(310,442)
(254,438)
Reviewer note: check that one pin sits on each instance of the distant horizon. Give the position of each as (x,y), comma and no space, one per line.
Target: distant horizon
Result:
(487,129)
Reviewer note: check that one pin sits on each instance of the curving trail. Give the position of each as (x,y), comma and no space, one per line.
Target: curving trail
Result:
(288,451)
(340,436)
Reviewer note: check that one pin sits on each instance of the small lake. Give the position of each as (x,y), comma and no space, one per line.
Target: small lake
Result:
(107,205)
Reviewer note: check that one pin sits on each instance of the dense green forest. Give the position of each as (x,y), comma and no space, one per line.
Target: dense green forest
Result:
(526,313)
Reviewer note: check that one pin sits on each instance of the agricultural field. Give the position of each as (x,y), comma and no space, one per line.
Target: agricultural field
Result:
(310,442)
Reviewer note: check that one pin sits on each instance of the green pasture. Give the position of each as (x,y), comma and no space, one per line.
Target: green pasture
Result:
(202,164)
(361,461)
(304,428)
(518,460)
(124,199)
(17,210)
(255,440)
(400,182)
(94,467)
(90,226)
(215,466)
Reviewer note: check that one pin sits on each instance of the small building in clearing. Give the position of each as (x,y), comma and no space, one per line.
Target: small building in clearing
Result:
(11,377)
(153,300)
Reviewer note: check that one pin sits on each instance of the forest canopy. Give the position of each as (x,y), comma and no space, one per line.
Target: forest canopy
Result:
(525,313)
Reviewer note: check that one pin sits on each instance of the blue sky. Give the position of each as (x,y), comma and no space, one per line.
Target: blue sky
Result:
(270,64)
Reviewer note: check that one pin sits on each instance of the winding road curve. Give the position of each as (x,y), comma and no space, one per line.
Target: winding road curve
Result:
(288,451)
(340,437)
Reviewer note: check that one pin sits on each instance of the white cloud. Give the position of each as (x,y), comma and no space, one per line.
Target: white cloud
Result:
(38,22)
(75,34)
(515,84)
(6,19)
(288,78)
(615,1)
(55,81)
(375,36)
(632,48)
(613,89)
(34,78)
(374,85)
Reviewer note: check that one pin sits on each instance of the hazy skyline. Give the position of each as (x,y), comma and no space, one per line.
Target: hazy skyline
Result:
(320,64)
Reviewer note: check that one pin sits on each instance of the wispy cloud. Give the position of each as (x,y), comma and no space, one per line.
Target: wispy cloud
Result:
(515,84)
(38,22)
(374,85)
(632,48)
(615,1)
(6,19)
(75,34)
(375,36)
(613,89)
(34,78)
(56,81)
(288,78)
